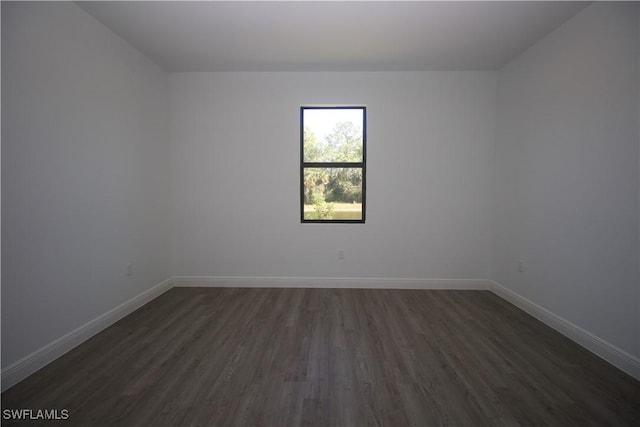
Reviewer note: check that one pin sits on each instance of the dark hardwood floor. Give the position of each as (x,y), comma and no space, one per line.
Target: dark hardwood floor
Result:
(330,357)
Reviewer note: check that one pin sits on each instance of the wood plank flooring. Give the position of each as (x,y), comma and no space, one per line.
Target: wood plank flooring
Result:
(330,357)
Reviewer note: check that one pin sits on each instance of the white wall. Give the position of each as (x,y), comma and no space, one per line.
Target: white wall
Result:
(85,160)
(235,175)
(566,174)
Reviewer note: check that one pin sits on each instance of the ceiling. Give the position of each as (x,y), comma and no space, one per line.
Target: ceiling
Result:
(331,35)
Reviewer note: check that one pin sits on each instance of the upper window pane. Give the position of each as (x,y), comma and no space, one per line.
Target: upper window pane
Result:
(333,134)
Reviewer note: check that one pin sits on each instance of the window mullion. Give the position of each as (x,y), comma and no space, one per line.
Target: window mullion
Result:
(333,164)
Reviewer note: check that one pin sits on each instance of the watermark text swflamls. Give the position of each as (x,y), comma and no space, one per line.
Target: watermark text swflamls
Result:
(35,414)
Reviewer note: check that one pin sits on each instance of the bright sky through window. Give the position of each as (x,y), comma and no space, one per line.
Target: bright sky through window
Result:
(322,122)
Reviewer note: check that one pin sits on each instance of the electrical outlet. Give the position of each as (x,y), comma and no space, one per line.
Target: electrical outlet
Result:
(340,253)
(129,269)
(521,266)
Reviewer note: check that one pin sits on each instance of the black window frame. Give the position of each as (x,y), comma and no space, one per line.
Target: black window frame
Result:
(356,165)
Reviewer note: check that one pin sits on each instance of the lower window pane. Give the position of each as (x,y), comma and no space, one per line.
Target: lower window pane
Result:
(332,194)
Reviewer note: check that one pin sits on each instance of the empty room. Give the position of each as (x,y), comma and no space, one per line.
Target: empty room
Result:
(320,213)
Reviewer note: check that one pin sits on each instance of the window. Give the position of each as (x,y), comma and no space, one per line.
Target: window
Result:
(333,142)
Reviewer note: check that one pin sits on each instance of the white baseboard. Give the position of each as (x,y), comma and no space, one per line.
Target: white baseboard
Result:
(31,363)
(327,282)
(607,351)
